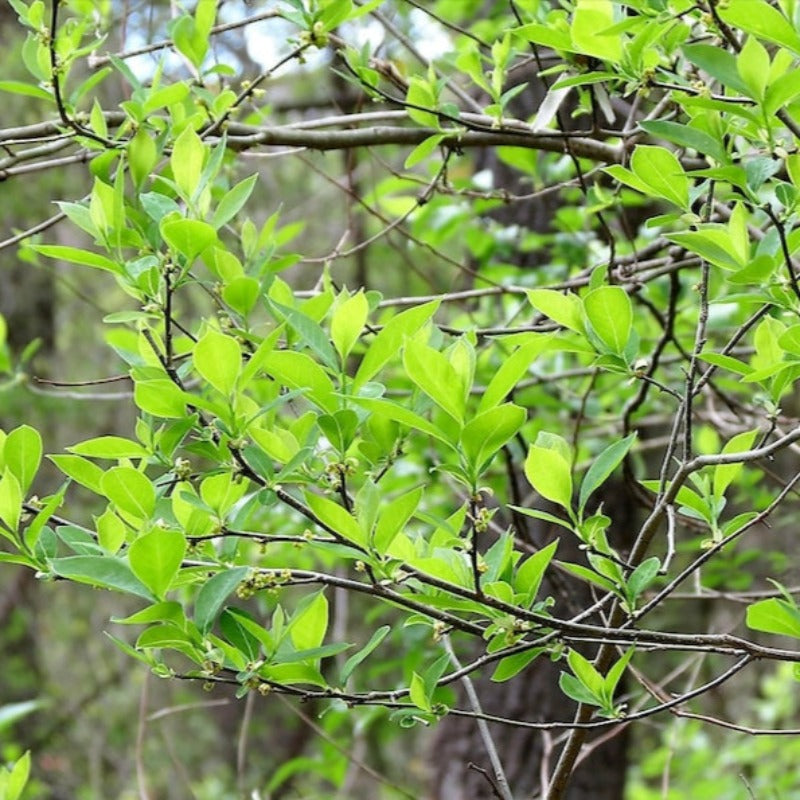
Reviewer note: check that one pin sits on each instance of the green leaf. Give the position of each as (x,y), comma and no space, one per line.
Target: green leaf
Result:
(77,256)
(17,778)
(642,577)
(311,333)
(565,309)
(218,359)
(130,491)
(155,558)
(627,177)
(512,369)
(586,574)
(10,500)
(187,160)
(26,89)
(510,666)
(585,672)
(725,474)
(718,63)
(80,470)
(299,371)
(420,94)
(389,340)
(614,675)
(574,689)
(610,314)
(22,453)
(111,531)
(161,398)
(221,492)
(686,136)
(486,433)
(213,593)
(233,201)
(433,373)
(602,467)
(590,19)
(423,150)
(726,362)
(142,156)
(529,574)
(114,447)
(404,416)
(753,66)
(761,19)
(241,294)
(549,474)
(712,243)
(336,518)
(685,497)
(309,624)
(774,616)
(188,237)
(104,571)
(393,518)
(418,693)
(546,35)
(545,516)
(377,637)
(348,322)
(11,712)
(662,172)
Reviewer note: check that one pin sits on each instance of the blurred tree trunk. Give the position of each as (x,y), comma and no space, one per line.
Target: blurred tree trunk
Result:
(27,302)
(529,755)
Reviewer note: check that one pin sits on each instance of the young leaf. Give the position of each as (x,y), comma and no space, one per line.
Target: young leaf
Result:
(602,467)
(393,518)
(233,201)
(529,574)
(336,518)
(663,173)
(725,474)
(10,501)
(213,594)
(510,666)
(641,578)
(103,571)
(188,156)
(22,453)
(486,433)
(610,314)
(774,616)
(434,374)
(565,309)
(310,623)
(155,558)
(130,491)
(81,470)
(377,637)
(549,473)
(348,322)
(389,340)
(418,693)
(218,359)
(113,447)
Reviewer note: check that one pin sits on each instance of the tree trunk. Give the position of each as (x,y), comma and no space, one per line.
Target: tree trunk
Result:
(529,755)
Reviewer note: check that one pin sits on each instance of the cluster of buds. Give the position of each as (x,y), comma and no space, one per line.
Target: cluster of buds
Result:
(182,468)
(482,519)
(258,581)
(337,470)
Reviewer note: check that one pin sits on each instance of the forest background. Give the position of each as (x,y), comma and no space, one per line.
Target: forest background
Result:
(417,383)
